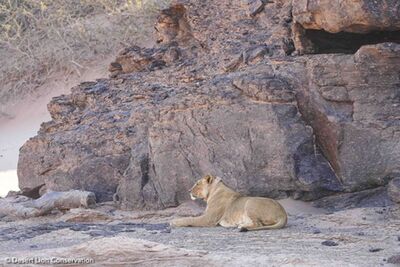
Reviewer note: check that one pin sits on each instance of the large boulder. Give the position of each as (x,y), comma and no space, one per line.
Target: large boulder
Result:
(270,125)
(359,16)
(353,105)
(324,26)
(153,143)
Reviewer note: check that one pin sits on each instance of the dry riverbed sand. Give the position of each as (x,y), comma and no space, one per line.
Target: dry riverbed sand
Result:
(109,237)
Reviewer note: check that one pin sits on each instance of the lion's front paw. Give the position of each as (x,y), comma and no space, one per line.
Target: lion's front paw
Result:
(173,223)
(176,222)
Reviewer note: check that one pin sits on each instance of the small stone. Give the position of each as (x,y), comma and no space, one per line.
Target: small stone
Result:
(361,234)
(330,243)
(375,249)
(398,238)
(243,229)
(317,231)
(79,227)
(255,7)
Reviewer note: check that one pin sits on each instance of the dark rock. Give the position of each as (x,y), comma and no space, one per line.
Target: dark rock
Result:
(243,229)
(368,198)
(32,192)
(254,6)
(329,243)
(375,249)
(308,127)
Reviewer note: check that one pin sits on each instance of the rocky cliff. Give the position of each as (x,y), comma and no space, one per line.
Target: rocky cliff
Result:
(282,98)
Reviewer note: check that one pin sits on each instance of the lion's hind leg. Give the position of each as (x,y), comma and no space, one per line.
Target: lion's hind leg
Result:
(253,219)
(256,223)
(248,223)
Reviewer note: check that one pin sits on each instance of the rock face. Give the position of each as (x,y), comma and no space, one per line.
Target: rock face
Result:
(231,102)
(360,16)
(352,103)
(326,25)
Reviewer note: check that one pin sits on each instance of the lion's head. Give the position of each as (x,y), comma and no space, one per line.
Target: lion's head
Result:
(201,188)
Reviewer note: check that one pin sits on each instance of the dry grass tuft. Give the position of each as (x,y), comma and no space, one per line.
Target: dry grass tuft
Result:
(39,38)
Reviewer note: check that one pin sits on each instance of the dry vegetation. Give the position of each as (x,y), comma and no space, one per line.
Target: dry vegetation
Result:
(39,38)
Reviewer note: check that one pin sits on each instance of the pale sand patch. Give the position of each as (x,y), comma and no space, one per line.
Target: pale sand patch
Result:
(8,182)
(296,207)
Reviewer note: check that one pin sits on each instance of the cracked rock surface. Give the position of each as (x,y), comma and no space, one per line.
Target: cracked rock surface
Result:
(224,92)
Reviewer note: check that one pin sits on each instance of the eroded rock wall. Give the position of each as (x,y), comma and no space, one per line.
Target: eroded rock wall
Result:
(353,105)
(360,16)
(222,94)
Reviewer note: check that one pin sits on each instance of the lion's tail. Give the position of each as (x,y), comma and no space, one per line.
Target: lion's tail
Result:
(280,224)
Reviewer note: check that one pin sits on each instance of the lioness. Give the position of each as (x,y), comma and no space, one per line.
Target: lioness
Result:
(228,208)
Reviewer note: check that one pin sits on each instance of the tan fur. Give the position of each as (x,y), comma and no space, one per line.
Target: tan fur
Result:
(228,208)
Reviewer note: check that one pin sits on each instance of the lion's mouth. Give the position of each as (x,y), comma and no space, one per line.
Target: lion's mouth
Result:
(192,197)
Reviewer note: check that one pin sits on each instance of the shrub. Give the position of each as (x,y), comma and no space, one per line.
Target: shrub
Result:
(39,38)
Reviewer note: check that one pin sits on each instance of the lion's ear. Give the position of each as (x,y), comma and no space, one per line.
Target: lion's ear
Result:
(209,179)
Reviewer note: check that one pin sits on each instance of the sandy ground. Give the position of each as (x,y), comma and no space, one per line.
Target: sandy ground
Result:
(23,119)
(313,237)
